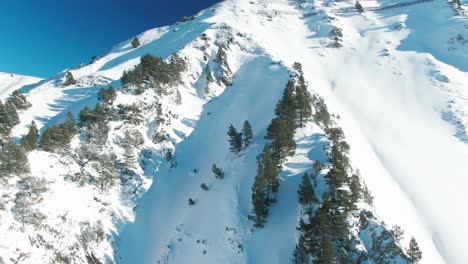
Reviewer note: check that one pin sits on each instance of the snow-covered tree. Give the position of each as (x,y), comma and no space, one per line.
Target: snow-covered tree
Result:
(413,252)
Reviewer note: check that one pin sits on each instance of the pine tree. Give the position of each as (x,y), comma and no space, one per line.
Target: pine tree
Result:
(8,117)
(355,191)
(286,107)
(265,186)
(5,122)
(218,172)
(235,139)
(70,124)
(85,116)
(12,113)
(306,193)
(99,114)
(414,253)
(19,100)
(107,95)
(13,159)
(128,155)
(29,141)
(301,255)
(248,134)
(397,233)
(359,7)
(259,200)
(270,174)
(135,42)
(316,171)
(69,79)
(303,102)
(327,254)
(282,137)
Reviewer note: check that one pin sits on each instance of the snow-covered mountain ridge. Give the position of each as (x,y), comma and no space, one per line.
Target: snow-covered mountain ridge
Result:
(400,100)
(10,82)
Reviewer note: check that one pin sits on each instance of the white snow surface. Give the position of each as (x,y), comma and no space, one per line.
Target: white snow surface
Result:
(10,82)
(399,85)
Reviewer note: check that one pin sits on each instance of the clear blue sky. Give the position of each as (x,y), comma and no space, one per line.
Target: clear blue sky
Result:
(42,37)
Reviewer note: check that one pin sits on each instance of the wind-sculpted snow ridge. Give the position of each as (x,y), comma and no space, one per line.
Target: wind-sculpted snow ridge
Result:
(395,79)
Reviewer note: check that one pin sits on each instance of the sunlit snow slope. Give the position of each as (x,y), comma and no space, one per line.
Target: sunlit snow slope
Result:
(10,82)
(398,84)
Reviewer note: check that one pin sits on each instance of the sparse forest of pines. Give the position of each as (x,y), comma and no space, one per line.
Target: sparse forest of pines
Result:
(292,111)
(325,235)
(154,72)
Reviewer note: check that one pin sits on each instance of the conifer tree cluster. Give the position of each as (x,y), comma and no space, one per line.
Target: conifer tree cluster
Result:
(154,72)
(58,136)
(8,117)
(19,100)
(292,111)
(265,187)
(98,116)
(325,236)
(239,140)
(13,159)
(29,141)
(69,79)
(107,95)
(135,42)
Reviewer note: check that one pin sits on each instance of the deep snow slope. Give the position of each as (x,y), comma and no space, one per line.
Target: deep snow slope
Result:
(401,103)
(10,82)
(396,79)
